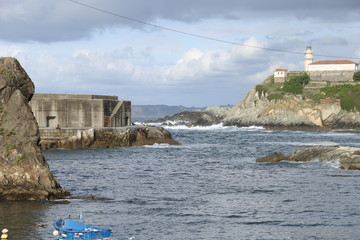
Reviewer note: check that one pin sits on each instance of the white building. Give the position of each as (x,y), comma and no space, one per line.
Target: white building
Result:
(280,75)
(308,59)
(327,65)
(333,65)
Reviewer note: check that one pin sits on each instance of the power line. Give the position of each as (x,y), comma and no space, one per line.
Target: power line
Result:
(198,35)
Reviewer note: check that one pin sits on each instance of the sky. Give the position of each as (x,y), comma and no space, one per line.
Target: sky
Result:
(190,52)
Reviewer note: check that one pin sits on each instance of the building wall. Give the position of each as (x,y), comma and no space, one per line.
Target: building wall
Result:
(332,67)
(332,76)
(79,111)
(280,76)
(121,116)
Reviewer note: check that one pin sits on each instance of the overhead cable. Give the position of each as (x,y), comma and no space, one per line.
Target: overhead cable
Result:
(198,35)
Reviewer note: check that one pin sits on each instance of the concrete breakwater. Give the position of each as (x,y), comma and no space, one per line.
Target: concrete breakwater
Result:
(73,138)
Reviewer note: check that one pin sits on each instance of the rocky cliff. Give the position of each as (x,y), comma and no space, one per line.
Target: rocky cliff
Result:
(24,172)
(210,116)
(290,111)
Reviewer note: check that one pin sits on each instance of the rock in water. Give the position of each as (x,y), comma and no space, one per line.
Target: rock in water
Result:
(24,172)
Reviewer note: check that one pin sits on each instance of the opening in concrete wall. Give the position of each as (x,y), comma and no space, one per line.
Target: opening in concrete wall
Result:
(50,121)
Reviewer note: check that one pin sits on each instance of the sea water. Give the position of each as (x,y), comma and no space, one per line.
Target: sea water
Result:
(210,187)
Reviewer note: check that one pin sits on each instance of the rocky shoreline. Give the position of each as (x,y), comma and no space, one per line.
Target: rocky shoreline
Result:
(105,137)
(349,157)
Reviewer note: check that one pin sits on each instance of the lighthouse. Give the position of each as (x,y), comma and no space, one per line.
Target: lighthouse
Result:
(308,59)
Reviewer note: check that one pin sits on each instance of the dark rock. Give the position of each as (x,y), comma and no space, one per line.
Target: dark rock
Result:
(348,157)
(191,119)
(24,172)
(107,137)
(274,157)
(312,153)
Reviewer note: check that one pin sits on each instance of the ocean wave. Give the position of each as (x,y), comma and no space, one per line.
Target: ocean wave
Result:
(184,127)
(252,128)
(173,125)
(159,145)
(333,163)
(305,144)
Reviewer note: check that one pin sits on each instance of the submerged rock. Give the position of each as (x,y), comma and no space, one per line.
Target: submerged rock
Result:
(349,157)
(274,157)
(24,172)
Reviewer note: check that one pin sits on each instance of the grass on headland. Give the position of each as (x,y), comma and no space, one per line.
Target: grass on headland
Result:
(348,94)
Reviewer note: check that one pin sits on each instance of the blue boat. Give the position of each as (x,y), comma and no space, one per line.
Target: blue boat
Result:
(67,229)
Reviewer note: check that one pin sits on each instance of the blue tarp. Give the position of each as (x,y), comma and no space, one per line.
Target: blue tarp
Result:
(79,230)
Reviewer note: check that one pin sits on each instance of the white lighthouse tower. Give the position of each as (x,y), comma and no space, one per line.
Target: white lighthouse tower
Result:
(308,58)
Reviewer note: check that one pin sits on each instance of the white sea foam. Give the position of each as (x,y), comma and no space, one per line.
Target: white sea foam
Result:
(201,128)
(334,163)
(252,128)
(158,145)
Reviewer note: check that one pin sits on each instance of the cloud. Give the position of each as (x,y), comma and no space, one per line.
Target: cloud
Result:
(135,74)
(64,20)
(198,65)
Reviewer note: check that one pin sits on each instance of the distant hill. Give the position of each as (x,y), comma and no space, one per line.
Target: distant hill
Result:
(152,112)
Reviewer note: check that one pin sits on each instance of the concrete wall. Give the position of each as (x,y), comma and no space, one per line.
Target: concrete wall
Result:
(332,76)
(121,115)
(80,111)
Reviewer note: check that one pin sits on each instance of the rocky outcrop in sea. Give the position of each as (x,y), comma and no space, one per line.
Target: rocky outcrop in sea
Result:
(349,157)
(210,116)
(290,112)
(105,137)
(24,172)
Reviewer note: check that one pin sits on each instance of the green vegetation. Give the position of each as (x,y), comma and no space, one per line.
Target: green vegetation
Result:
(277,91)
(9,133)
(348,95)
(357,76)
(10,75)
(9,149)
(295,85)
(19,159)
(261,89)
(275,96)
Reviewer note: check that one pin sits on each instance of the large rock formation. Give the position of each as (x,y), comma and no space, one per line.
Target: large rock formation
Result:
(24,172)
(293,111)
(210,116)
(349,157)
(105,137)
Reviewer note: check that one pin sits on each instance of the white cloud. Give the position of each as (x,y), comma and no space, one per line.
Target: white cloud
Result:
(198,65)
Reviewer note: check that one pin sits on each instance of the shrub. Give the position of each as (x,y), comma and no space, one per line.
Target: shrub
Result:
(340,90)
(350,103)
(348,95)
(357,76)
(301,79)
(276,96)
(261,89)
(293,87)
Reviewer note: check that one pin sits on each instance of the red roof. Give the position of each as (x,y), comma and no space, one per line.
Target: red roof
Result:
(280,70)
(334,62)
